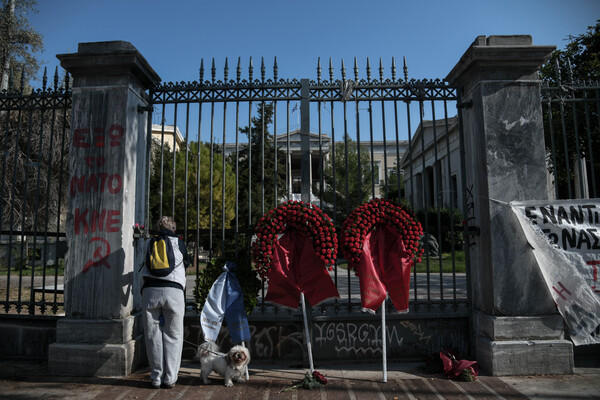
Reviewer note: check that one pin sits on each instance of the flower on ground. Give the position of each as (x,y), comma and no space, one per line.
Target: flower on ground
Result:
(310,381)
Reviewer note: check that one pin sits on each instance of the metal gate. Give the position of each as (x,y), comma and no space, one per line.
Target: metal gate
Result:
(223,152)
(34,174)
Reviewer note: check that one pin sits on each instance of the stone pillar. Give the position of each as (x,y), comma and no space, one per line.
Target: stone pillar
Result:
(99,335)
(518,330)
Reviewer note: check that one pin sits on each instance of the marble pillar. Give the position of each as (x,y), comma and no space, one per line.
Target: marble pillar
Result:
(505,161)
(100,334)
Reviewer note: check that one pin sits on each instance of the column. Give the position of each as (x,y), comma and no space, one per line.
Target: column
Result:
(99,335)
(518,330)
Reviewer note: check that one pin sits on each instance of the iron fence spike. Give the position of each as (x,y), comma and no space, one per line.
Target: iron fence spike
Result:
(319,69)
(213,71)
(45,78)
(201,72)
(56,78)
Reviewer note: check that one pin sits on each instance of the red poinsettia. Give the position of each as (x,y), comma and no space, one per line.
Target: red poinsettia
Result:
(367,217)
(307,218)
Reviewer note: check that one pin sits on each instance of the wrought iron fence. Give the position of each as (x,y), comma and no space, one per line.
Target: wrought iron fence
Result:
(572,133)
(33,183)
(226,151)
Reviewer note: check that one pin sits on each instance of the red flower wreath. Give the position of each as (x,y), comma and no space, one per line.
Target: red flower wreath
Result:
(378,212)
(306,218)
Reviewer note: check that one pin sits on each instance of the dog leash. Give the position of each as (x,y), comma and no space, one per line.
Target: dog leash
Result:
(208,351)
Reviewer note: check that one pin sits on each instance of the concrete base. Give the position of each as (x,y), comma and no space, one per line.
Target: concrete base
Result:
(522,345)
(535,357)
(96,347)
(114,360)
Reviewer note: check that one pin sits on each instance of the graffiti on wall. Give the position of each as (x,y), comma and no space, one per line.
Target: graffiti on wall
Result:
(92,145)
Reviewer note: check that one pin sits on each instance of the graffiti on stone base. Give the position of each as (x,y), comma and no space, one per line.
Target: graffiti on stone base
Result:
(417,331)
(355,339)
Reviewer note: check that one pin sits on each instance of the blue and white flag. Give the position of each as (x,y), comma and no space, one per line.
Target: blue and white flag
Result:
(225,300)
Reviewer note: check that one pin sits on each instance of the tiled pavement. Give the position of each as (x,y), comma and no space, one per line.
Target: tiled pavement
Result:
(267,382)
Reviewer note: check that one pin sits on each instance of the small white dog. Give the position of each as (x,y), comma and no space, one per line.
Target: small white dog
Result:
(231,366)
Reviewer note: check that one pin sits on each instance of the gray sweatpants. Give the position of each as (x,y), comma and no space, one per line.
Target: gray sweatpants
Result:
(163,342)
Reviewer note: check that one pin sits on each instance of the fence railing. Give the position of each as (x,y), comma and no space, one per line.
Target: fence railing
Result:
(572,132)
(225,152)
(34,173)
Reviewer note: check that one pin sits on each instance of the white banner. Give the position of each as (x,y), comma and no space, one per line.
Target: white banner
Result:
(565,236)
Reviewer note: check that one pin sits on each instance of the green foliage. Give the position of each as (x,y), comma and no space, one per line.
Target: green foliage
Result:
(246,276)
(269,186)
(568,71)
(189,205)
(18,40)
(394,187)
(352,185)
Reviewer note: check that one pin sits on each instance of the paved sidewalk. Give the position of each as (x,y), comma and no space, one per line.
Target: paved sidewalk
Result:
(30,380)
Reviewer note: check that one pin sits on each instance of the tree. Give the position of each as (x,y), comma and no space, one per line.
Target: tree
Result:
(394,192)
(346,184)
(186,201)
(260,185)
(18,40)
(573,73)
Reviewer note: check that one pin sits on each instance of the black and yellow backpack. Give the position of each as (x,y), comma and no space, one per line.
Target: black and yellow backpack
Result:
(160,259)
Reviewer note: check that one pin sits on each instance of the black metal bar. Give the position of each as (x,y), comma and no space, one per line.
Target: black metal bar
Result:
(383,131)
(162,149)
(410,152)
(305,141)
(237,179)
(372,150)
(174,172)
(198,201)
(262,153)
(211,180)
(589,141)
(250,159)
(223,181)
(553,147)
(186,169)
(276,151)
(453,205)
(37,208)
(438,200)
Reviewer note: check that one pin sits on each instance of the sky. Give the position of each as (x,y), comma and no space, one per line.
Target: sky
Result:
(175,35)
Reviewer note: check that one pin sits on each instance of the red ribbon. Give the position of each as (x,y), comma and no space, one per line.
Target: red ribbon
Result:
(297,268)
(384,267)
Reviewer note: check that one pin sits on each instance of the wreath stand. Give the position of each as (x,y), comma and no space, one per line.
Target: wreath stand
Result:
(380,240)
(307,334)
(296,235)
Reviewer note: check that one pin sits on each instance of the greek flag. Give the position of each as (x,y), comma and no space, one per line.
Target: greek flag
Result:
(225,300)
